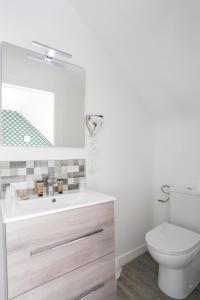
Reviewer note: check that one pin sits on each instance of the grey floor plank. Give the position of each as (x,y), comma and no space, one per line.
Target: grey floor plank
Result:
(138,281)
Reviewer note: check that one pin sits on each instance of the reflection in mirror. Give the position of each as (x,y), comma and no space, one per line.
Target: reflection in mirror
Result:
(22,125)
(42,104)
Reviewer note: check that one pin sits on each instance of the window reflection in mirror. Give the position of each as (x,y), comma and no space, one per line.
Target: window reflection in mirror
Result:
(22,125)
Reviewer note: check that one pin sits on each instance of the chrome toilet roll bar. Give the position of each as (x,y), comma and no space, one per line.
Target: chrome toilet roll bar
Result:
(165,189)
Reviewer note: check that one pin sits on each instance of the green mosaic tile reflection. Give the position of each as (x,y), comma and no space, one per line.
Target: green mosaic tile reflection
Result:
(18,131)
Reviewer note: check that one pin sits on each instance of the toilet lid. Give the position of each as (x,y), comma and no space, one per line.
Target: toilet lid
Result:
(172,239)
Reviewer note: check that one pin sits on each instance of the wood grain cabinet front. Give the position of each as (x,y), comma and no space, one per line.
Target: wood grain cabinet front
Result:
(94,281)
(47,247)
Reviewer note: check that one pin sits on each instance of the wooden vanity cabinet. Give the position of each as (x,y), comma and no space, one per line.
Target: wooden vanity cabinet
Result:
(63,255)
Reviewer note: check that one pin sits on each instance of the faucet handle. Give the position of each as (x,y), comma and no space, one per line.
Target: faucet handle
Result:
(51,186)
(51,180)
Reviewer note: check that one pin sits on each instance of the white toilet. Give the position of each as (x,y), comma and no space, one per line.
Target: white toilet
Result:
(176,245)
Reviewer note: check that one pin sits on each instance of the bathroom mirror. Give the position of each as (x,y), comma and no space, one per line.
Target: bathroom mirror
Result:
(42,104)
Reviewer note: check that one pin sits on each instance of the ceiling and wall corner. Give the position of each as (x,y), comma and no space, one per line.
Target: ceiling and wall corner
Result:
(156,44)
(124,144)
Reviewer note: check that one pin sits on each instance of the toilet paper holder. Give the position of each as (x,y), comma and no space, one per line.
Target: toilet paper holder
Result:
(163,189)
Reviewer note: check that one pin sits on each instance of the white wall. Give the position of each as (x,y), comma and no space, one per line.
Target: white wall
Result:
(156,44)
(176,158)
(124,143)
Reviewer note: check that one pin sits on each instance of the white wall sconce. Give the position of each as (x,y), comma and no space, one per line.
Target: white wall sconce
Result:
(94,123)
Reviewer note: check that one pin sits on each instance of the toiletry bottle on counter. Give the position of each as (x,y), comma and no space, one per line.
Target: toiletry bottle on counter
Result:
(10,199)
(60,185)
(40,187)
(8,192)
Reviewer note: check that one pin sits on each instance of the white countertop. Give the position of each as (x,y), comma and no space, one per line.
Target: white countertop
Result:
(17,210)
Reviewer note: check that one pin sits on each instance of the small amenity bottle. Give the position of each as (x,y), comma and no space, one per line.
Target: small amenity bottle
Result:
(60,185)
(40,188)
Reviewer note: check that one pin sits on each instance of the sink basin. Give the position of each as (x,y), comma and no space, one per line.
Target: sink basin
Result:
(53,202)
(35,207)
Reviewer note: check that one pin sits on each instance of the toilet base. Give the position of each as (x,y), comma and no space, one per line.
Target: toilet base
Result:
(178,283)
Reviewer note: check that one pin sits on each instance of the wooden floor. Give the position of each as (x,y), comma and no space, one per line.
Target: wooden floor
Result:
(138,281)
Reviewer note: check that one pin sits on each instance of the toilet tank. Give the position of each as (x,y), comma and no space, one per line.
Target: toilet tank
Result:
(185,208)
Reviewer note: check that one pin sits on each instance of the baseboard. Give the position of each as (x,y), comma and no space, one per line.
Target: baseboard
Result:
(125,258)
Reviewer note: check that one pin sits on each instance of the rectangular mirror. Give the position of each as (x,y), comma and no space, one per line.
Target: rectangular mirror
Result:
(42,104)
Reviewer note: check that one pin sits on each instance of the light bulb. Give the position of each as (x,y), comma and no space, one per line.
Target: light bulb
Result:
(51,53)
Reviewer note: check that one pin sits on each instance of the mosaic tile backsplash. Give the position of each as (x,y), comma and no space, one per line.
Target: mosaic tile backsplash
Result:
(31,171)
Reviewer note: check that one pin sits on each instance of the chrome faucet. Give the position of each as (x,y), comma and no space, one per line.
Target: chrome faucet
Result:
(51,186)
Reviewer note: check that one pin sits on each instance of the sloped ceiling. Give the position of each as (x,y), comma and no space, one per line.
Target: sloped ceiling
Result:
(156,44)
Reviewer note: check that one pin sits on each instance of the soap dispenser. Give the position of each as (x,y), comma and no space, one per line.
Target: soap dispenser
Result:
(10,198)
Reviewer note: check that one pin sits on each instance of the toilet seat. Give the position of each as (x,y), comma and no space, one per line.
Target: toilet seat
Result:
(172,240)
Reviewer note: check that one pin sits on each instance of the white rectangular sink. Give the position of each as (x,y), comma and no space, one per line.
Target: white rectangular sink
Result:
(25,209)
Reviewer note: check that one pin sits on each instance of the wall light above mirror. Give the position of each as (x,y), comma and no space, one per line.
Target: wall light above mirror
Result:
(42,103)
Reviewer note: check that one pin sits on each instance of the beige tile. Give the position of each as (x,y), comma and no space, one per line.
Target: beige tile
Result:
(4,164)
(71,180)
(51,163)
(72,168)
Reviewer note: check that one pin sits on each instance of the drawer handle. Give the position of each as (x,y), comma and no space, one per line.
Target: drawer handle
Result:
(66,242)
(89,292)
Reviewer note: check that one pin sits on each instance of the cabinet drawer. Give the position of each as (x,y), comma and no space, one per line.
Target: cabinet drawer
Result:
(41,249)
(92,282)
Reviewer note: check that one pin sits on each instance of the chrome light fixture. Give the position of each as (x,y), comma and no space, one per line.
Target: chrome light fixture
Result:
(49,55)
(50,50)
